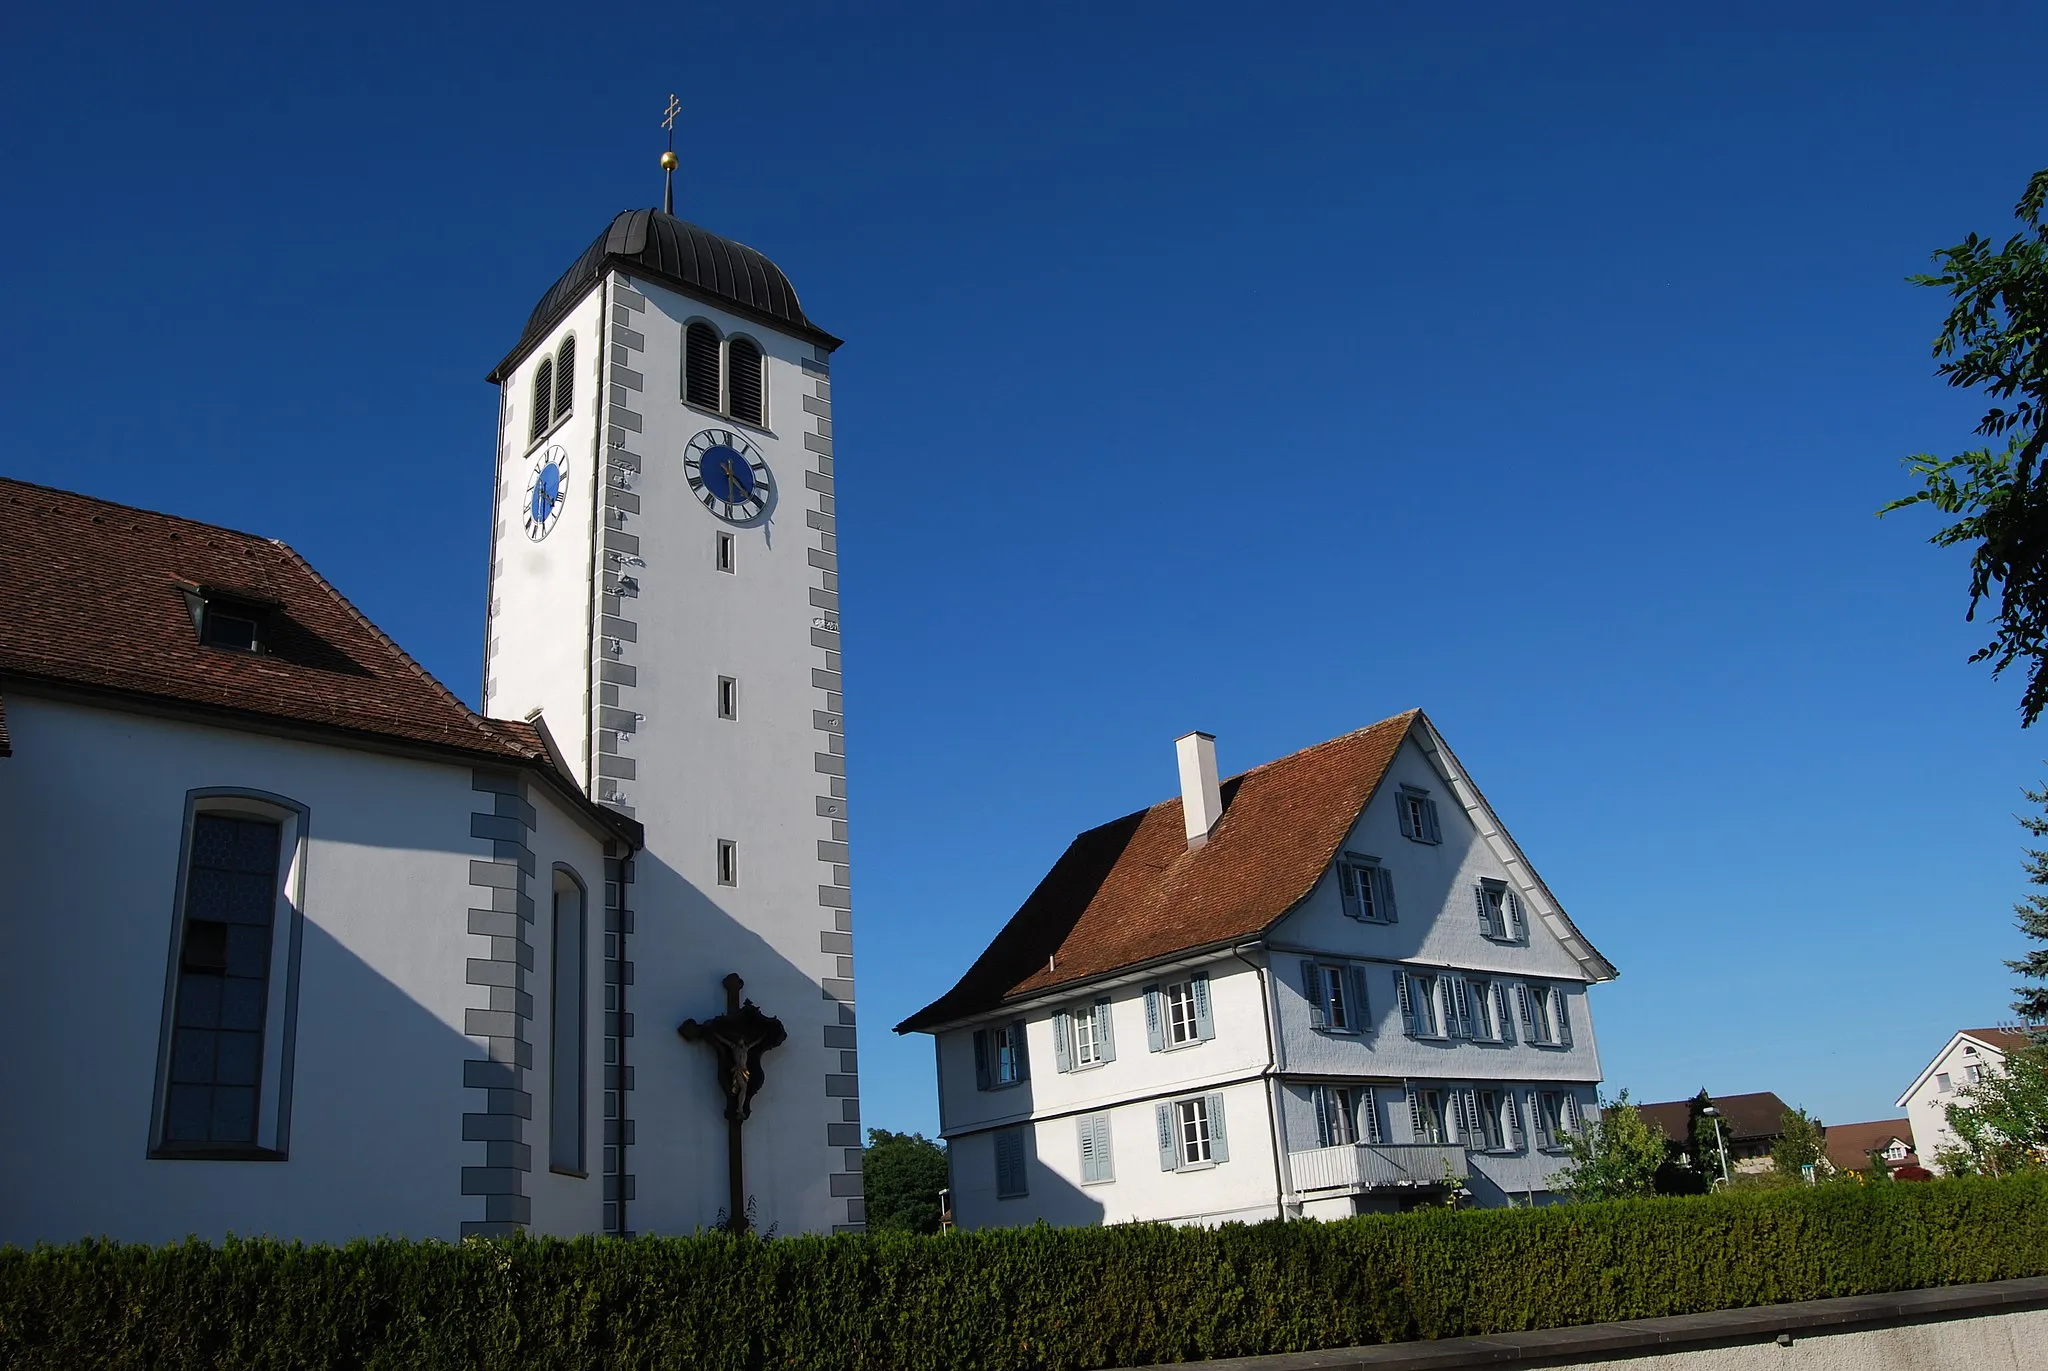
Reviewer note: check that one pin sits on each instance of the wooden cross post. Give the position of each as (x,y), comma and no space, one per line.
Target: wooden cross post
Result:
(740,1035)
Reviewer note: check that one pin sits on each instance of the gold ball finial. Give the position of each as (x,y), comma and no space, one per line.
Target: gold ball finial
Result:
(668,161)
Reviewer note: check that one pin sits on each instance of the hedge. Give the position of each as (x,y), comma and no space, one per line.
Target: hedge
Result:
(1036,1297)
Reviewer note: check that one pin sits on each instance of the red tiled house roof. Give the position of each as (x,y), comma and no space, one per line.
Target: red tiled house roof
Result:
(1752,1118)
(97,598)
(2004,1039)
(1133,892)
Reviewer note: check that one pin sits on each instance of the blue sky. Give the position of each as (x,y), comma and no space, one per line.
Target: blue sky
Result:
(1260,371)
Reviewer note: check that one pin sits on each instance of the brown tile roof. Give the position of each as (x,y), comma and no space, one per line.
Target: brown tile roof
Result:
(1744,1118)
(2004,1039)
(1850,1144)
(1132,891)
(96,596)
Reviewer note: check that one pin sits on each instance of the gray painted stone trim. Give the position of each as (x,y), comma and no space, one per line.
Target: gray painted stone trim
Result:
(828,721)
(615,719)
(619,1189)
(1592,1343)
(501,914)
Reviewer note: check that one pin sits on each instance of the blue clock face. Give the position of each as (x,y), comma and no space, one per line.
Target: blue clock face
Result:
(547,492)
(727,475)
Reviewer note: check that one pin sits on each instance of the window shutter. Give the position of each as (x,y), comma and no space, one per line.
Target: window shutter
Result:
(1369,1117)
(1414,1115)
(1361,1005)
(1561,1015)
(1570,1112)
(1062,1042)
(743,380)
(565,377)
(543,398)
(1405,809)
(1010,1163)
(1023,1058)
(981,1071)
(1219,1139)
(1348,885)
(1085,1128)
(1105,1150)
(1461,1007)
(1514,1120)
(1155,1032)
(1325,1135)
(1474,1120)
(1528,1013)
(700,366)
(1312,986)
(1169,1148)
(1540,1121)
(1503,1022)
(1105,1040)
(1519,925)
(1385,878)
(1205,1027)
(1405,994)
(1436,832)
(1485,913)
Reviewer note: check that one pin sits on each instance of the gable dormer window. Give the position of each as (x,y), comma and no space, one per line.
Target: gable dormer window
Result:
(1418,816)
(235,621)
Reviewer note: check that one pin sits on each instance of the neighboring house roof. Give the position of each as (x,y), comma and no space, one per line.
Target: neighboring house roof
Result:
(1850,1144)
(1999,1041)
(1133,892)
(1748,1118)
(99,601)
(661,247)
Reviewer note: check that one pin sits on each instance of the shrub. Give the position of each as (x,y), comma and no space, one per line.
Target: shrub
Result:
(1016,1298)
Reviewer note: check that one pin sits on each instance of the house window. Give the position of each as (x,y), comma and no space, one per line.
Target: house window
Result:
(1082,1037)
(1896,1152)
(743,381)
(999,1056)
(1336,996)
(1177,1014)
(1191,1133)
(1973,1073)
(728,698)
(1483,1114)
(569,1013)
(225,1076)
(1010,1170)
(1484,1023)
(1546,1018)
(1098,1164)
(1418,816)
(723,556)
(1368,890)
(1426,1115)
(1500,912)
(1557,1117)
(1941,1083)
(701,370)
(1419,1008)
(1336,1115)
(728,862)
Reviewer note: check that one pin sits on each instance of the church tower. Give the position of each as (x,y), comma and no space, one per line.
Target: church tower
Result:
(664,599)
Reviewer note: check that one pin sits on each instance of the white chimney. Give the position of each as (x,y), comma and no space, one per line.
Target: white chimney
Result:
(1201,798)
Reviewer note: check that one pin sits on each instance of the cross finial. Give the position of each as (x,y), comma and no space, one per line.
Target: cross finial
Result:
(668,158)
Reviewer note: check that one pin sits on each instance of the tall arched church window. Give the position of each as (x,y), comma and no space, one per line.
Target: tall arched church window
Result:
(543,399)
(700,366)
(743,372)
(565,377)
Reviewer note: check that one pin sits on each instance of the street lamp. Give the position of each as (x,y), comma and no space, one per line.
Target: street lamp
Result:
(1714,1113)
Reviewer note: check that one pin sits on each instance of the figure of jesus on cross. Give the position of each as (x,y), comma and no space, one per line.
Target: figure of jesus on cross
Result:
(739,1036)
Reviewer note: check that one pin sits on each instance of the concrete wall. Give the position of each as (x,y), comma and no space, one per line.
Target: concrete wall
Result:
(1991,1342)
(92,815)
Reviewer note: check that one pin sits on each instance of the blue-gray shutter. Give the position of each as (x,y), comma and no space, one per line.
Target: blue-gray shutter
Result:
(1414,1115)
(1561,1014)
(1062,1041)
(1169,1147)
(1361,1004)
(1503,1020)
(1017,1044)
(1105,1039)
(1205,1027)
(1460,1016)
(1312,986)
(1519,925)
(1436,832)
(1401,808)
(1155,1032)
(1516,1138)
(1219,1138)
(1385,878)
(981,1071)
(1486,927)
(1096,1163)
(1369,1117)
(1570,1113)
(1325,1135)
(1348,879)
(1406,995)
(1010,1164)
(1528,1013)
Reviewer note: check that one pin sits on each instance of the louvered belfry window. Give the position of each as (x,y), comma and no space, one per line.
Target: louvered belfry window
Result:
(743,367)
(565,377)
(543,399)
(700,366)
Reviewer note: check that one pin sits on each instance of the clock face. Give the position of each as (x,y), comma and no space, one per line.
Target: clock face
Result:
(547,492)
(727,474)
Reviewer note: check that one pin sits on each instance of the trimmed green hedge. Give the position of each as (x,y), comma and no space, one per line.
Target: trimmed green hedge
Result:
(1039,1297)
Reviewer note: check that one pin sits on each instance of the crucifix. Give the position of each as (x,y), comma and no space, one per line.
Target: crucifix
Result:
(740,1035)
(668,159)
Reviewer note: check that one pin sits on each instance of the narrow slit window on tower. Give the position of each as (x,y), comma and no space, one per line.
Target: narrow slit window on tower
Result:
(543,399)
(700,365)
(565,378)
(724,554)
(743,381)
(728,698)
(728,862)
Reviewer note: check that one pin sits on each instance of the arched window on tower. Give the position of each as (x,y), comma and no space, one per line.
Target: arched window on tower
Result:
(700,366)
(543,399)
(565,378)
(743,373)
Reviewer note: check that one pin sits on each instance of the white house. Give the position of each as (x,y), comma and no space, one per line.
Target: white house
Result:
(455,1010)
(1330,985)
(1965,1060)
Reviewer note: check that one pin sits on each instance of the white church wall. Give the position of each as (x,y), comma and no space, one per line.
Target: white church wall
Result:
(92,808)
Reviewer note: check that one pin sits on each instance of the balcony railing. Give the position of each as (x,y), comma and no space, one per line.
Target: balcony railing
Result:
(1377,1166)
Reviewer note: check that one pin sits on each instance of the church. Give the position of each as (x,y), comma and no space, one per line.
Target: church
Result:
(296,943)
